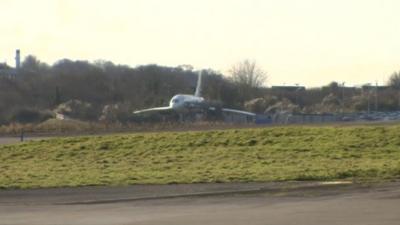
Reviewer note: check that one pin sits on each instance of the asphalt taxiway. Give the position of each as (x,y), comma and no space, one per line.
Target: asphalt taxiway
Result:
(254,203)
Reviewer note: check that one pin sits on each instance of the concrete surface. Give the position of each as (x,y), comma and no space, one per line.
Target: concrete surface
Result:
(274,203)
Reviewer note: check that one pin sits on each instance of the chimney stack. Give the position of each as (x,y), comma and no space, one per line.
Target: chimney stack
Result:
(17,59)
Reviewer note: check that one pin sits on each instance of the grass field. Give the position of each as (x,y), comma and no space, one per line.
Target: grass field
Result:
(244,155)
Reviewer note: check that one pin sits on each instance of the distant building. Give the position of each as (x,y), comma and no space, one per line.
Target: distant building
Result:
(288,88)
(348,88)
(238,118)
(370,87)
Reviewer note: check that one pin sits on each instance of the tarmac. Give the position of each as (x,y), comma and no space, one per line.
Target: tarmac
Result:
(286,203)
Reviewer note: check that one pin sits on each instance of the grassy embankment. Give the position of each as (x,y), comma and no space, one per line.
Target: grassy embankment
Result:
(268,154)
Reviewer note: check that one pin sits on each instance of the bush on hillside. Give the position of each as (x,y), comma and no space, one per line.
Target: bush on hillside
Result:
(77,109)
(30,115)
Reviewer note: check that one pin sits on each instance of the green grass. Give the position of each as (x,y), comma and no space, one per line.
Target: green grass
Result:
(268,154)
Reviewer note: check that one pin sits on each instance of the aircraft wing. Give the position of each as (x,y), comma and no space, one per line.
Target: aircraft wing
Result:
(153,109)
(239,112)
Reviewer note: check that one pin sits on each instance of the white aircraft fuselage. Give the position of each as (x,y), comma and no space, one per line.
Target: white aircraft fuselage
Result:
(180,102)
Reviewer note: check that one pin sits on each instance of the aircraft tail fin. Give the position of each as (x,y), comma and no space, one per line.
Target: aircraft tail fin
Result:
(198,87)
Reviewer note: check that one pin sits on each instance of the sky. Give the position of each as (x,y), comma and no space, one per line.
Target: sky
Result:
(305,42)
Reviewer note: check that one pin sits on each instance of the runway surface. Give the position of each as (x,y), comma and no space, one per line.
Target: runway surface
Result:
(273,203)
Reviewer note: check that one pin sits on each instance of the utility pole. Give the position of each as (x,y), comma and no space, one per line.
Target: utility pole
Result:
(343,83)
(376,96)
(368,88)
(296,93)
(399,102)
(369,94)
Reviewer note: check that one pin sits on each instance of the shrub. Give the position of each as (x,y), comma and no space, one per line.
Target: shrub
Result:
(30,115)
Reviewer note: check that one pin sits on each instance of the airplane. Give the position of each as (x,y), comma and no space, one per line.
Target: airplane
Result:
(184,102)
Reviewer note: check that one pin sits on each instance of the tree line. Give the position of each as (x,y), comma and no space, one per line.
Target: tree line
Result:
(38,89)
(41,87)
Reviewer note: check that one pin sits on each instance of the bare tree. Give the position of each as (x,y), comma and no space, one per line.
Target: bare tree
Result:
(248,73)
(33,65)
(394,80)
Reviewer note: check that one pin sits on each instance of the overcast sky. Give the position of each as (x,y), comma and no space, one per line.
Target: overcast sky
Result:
(309,42)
